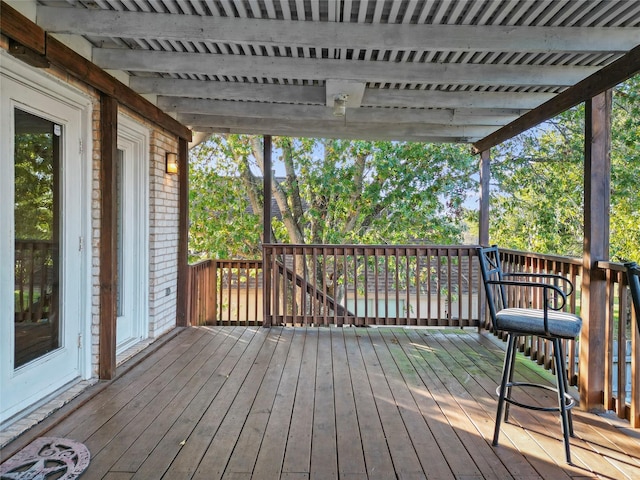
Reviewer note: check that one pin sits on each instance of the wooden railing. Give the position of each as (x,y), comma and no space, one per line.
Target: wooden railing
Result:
(371,285)
(225,292)
(35,279)
(622,347)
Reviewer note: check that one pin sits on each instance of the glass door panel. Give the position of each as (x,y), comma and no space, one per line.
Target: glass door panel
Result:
(37,237)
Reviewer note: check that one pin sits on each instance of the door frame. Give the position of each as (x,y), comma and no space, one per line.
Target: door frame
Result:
(27,87)
(133,138)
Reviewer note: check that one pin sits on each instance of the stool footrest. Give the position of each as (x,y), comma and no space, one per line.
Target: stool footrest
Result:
(569,400)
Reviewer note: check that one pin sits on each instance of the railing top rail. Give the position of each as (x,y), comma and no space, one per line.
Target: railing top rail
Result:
(607,265)
(201,263)
(366,245)
(544,256)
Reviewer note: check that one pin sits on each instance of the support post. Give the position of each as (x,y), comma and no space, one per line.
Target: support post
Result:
(485,176)
(266,234)
(597,185)
(108,236)
(182,300)
(266,197)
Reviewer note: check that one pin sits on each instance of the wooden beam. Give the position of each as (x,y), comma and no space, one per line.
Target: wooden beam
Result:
(336,126)
(108,236)
(314,34)
(19,28)
(315,95)
(485,177)
(593,301)
(606,78)
(310,132)
(321,69)
(274,112)
(183,235)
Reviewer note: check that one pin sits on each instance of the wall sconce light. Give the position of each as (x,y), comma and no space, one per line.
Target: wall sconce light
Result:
(340,105)
(172,163)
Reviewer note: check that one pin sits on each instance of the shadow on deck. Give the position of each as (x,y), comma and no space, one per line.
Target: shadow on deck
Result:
(321,403)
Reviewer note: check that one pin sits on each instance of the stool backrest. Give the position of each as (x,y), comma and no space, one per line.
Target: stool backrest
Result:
(633,275)
(491,270)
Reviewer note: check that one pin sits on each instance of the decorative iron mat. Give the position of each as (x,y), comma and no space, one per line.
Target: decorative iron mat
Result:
(47,458)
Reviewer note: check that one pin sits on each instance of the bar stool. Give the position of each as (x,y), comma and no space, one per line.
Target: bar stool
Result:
(548,323)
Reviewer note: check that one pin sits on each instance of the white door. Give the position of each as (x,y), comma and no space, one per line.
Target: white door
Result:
(43,268)
(132,181)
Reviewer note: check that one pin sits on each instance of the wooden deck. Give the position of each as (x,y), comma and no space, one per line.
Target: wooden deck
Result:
(322,403)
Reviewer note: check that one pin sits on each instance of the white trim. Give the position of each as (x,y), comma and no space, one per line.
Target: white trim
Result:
(26,82)
(136,136)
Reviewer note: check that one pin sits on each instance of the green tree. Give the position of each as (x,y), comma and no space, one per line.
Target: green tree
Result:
(537,199)
(332,191)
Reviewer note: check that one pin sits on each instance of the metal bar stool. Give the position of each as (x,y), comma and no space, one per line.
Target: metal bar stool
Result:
(633,275)
(548,323)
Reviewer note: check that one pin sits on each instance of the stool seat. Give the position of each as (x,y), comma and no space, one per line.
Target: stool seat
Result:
(526,321)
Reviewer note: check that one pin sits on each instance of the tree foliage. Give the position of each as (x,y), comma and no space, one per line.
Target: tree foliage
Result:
(331,191)
(537,200)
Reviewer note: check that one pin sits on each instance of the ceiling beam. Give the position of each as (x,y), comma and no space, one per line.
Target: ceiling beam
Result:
(321,69)
(341,134)
(343,125)
(290,33)
(318,112)
(606,78)
(315,95)
(311,133)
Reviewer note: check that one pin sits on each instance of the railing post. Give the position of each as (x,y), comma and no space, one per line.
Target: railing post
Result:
(212,298)
(266,285)
(485,176)
(597,184)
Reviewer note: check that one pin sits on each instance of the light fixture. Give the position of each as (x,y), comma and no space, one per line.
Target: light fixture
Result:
(340,105)
(172,163)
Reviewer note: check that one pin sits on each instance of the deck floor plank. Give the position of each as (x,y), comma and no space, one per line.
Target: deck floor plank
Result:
(485,378)
(297,458)
(479,379)
(254,431)
(405,458)
(351,462)
(241,403)
(324,452)
(256,395)
(269,458)
(131,460)
(376,453)
(137,420)
(404,384)
(192,429)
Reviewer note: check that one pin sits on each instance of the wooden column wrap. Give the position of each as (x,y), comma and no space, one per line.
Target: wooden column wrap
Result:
(597,186)
(108,236)
(182,308)
(485,177)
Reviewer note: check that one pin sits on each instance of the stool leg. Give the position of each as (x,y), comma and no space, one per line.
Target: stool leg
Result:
(512,369)
(506,374)
(566,388)
(561,381)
